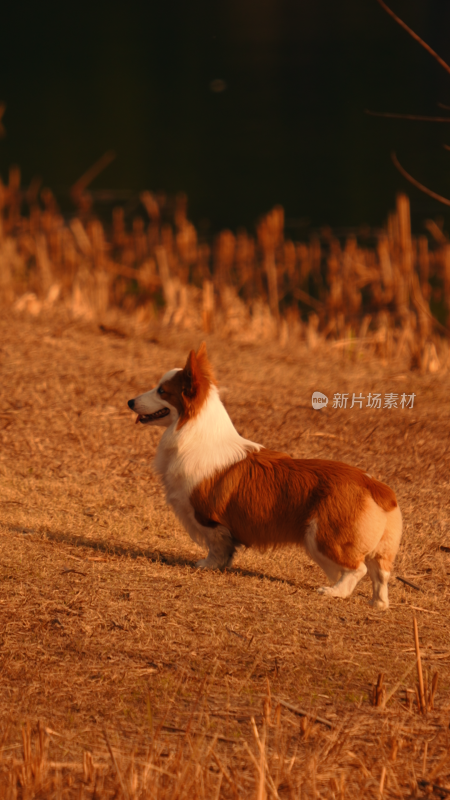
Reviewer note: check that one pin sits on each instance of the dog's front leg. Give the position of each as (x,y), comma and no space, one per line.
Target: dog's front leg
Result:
(207,533)
(221,548)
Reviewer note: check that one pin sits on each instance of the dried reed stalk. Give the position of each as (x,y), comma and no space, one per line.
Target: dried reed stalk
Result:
(421,692)
(265,292)
(208,306)
(379,692)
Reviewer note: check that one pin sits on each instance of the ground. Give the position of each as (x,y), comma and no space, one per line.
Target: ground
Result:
(111,640)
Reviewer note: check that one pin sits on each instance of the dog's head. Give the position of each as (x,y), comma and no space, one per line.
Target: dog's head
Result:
(179,395)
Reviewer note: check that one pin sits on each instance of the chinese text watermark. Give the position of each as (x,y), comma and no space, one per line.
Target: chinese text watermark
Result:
(372,400)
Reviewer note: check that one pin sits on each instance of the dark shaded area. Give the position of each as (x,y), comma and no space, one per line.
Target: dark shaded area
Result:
(241,105)
(85,545)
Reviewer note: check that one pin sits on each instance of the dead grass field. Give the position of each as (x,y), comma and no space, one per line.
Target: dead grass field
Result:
(126,672)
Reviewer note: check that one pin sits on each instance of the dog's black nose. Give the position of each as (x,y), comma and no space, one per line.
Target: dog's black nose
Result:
(131,404)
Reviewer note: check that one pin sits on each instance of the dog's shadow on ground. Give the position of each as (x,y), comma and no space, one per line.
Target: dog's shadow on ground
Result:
(137,552)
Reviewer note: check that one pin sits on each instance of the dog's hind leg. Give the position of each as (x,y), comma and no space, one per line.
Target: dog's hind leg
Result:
(346,583)
(380,578)
(221,549)
(332,571)
(344,580)
(380,562)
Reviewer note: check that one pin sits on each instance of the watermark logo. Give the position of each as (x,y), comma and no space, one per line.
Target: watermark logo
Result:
(319,400)
(373,400)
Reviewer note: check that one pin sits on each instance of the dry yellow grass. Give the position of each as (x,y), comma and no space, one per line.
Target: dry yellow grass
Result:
(126,672)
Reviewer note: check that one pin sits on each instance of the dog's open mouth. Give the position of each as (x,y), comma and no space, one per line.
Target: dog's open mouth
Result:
(145,418)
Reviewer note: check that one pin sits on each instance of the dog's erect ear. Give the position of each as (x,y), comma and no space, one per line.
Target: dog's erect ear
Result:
(204,368)
(190,366)
(201,353)
(197,372)
(190,370)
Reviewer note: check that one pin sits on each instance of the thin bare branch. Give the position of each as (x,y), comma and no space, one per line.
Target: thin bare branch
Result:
(415,117)
(82,183)
(415,36)
(418,185)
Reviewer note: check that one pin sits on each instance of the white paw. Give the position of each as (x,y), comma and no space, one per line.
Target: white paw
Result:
(381,605)
(327,591)
(207,563)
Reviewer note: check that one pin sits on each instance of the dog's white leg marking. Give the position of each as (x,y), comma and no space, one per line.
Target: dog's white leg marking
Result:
(221,548)
(380,580)
(346,583)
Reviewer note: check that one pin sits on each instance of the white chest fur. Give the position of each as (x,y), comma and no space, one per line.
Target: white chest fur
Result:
(203,446)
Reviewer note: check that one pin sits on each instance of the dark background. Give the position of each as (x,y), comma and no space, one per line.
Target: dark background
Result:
(290,128)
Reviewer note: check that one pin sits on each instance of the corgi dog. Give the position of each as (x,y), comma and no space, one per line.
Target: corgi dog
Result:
(228,491)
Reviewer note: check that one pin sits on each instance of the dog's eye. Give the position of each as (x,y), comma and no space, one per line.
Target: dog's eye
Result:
(160,390)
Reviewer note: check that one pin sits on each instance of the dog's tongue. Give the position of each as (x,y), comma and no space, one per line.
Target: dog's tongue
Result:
(138,418)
